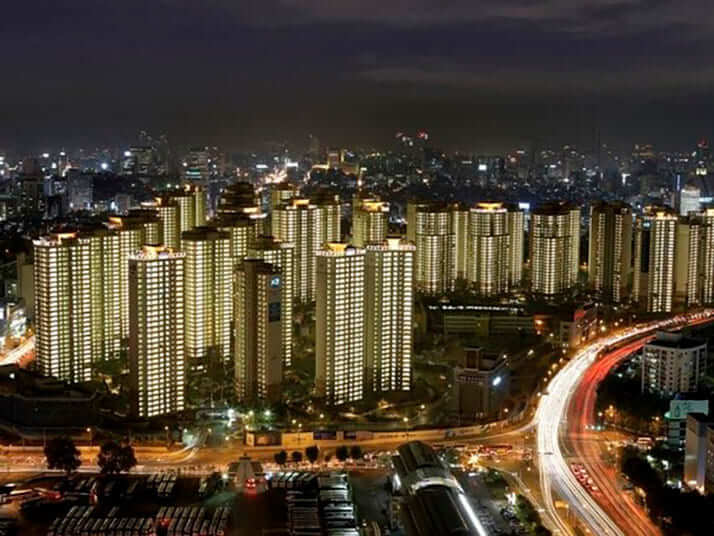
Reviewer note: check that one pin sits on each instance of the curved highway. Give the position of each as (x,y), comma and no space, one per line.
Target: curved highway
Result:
(555,474)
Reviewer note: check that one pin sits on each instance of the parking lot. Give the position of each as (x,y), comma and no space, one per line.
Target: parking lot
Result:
(128,505)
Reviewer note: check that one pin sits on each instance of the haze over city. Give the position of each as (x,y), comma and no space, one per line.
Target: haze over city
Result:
(480,76)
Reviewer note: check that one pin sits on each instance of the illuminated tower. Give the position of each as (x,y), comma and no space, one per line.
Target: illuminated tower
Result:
(280,193)
(435,265)
(307,226)
(134,231)
(242,230)
(460,229)
(156,331)
(77,302)
(555,248)
(258,332)
(370,221)
(281,255)
(516,229)
(208,291)
(687,250)
(706,256)
(492,265)
(660,276)
(389,310)
(169,214)
(610,250)
(340,324)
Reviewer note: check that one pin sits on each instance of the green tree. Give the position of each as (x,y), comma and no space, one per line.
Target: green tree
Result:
(356,452)
(342,453)
(296,456)
(61,453)
(115,458)
(312,453)
(281,457)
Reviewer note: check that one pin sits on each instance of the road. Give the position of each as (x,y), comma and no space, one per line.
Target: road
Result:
(22,355)
(585,447)
(555,473)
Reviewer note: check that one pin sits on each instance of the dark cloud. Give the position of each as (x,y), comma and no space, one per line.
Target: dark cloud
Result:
(354,71)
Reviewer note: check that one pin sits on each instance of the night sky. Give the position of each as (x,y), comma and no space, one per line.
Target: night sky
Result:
(478,75)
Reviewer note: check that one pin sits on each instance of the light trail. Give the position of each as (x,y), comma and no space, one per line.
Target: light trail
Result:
(552,414)
(21,355)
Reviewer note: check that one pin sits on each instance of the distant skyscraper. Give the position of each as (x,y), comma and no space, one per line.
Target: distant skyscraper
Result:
(77,302)
(689,199)
(389,310)
(435,267)
(370,222)
(308,226)
(258,332)
(610,250)
(208,291)
(238,198)
(156,331)
(494,248)
(339,324)
(555,248)
(282,256)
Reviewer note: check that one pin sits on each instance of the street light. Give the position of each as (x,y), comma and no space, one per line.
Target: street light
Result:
(266,413)
(406,426)
(166,429)
(89,431)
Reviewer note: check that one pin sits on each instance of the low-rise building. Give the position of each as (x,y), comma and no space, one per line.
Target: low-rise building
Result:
(695,456)
(480,385)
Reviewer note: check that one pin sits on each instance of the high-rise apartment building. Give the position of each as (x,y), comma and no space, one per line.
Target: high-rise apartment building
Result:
(494,248)
(281,255)
(435,266)
(610,250)
(687,248)
(307,226)
(242,229)
(706,256)
(280,193)
(170,215)
(370,221)
(77,302)
(156,331)
(331,219)
(554,248)
(657,238)
(389,314)
(134,231)
(340,324)
(460,229)
(258,331)
(208,292)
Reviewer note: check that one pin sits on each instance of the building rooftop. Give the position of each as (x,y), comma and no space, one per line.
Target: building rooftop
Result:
(677,341)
